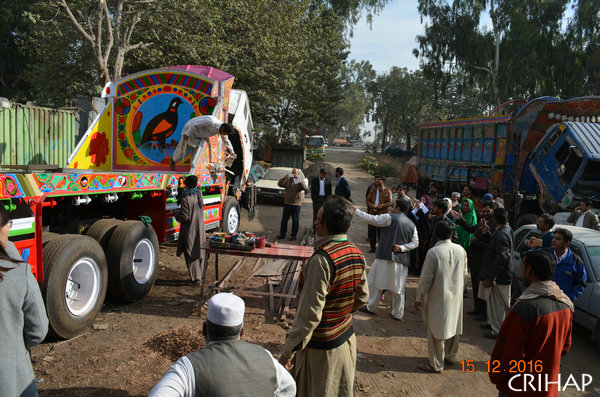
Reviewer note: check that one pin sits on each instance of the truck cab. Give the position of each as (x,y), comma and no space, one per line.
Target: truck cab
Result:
(565,165)
(315,146)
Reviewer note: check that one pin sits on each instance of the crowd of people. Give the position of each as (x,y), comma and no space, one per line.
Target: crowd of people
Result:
(439,239)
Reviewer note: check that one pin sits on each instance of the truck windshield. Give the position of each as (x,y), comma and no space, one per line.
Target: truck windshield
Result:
(567,156)
(314,141)
(587,185)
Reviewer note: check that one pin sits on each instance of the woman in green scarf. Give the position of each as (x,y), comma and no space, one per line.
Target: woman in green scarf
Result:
(469,215)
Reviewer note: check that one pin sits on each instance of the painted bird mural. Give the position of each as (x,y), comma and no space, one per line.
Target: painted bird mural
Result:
(162,126)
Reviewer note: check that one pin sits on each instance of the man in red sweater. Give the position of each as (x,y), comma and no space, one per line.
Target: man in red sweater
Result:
(535,334)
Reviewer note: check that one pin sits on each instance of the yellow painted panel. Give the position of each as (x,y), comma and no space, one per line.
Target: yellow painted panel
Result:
(95,152)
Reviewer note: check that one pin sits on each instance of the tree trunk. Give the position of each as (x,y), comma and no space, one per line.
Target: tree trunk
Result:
(495,67)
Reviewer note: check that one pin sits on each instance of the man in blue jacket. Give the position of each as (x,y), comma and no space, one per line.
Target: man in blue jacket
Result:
(569,274)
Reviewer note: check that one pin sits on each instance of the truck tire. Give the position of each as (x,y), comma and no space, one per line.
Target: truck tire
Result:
(132,256)
(231,216)
(48,236)
(102,230)
(74,284)
(526,219)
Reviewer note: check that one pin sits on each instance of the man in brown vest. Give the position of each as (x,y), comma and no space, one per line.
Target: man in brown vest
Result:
(226,366)
(332,286)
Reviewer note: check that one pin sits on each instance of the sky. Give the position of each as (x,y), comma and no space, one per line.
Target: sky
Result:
(391,40)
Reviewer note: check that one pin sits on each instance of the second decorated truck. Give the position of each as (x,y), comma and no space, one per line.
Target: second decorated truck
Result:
(544,158)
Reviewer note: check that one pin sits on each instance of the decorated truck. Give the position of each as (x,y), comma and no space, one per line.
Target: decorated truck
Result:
(94,227)
(314,145)
(544,158)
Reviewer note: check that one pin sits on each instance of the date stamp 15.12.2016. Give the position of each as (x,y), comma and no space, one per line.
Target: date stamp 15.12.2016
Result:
(495,366)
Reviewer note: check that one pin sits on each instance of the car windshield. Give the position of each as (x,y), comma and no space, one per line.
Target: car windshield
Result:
(275,175)
(594,253)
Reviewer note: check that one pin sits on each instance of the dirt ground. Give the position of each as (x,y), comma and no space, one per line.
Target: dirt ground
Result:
(131,346)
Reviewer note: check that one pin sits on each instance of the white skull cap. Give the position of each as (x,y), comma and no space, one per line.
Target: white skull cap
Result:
(226,309)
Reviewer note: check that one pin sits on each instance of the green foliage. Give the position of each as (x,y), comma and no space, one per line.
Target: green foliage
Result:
(12,62)
(289,56)
(349,110)
(380,165)
(403,101)
(370,148)
(525,53)
(369,163)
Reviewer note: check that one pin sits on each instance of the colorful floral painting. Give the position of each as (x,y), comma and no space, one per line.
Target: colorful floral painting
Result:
(99,148)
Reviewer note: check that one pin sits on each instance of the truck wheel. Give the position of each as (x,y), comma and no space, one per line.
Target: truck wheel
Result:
(526,219)
(74,284)
(231,216)
(132,256)
(102,230)
(49,236)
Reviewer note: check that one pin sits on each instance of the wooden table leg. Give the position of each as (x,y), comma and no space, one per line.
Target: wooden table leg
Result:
(204,266)
(216,267)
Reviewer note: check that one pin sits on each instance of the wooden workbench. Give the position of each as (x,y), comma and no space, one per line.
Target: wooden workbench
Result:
(296,253)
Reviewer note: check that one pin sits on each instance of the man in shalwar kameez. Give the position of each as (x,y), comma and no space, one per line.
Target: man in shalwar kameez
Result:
(442,281)
(390,268)
(192,233)
(332,285)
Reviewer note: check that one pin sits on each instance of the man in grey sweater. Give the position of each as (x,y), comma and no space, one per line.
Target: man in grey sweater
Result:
(23,320)
(390,267)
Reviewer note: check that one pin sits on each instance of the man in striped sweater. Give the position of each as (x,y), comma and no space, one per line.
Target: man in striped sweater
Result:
(332,286)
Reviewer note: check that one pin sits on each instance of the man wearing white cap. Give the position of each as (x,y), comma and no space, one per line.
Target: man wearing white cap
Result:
(332,286)
(227,366)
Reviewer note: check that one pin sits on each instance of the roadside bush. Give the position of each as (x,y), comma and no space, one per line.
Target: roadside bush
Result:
(380,165)
(387,170)
(370,148)
(368,163)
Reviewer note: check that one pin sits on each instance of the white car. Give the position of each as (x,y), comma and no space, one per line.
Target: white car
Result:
(266,187)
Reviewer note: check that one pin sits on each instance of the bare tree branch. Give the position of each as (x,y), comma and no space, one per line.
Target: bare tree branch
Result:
(138,45)
(109,44)
(75,23)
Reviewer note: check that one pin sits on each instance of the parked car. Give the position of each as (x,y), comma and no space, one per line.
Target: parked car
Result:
(586,245)
(266,187)
(396,151)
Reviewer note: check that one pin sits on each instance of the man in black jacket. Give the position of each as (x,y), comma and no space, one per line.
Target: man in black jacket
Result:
(475,252)
(320,188)
(342,187)
(437,213)
(495,272)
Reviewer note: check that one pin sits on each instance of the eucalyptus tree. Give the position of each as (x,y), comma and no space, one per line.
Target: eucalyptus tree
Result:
(514,55)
